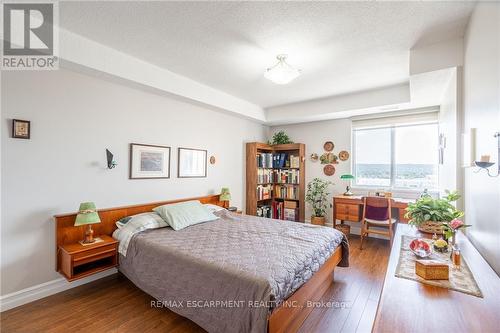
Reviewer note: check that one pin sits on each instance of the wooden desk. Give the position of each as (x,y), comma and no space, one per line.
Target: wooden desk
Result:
(351,208)
(410,306)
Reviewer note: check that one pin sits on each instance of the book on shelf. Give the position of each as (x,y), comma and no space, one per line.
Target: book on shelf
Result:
(277,160)
(265,176)
(264,192)
(278,210)
(286,192)
(286,176)
(264,211)
(291,214)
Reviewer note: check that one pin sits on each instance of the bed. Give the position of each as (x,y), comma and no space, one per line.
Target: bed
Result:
(238,273)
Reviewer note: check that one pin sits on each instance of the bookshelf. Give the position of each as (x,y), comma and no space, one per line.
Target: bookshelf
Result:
(275,180)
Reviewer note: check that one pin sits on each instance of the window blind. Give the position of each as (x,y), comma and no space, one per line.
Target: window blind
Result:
(395,119)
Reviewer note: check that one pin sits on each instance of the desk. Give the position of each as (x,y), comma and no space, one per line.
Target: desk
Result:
(410,306)
(350,208)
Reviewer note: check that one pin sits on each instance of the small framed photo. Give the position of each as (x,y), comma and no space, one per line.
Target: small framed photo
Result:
(192,163)
(149,161)
(21,129)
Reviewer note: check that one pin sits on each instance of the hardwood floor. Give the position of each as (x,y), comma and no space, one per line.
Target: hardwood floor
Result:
(114,304)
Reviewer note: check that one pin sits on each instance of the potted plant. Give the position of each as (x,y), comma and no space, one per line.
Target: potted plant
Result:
(280,138)
(432,215)
(317,196)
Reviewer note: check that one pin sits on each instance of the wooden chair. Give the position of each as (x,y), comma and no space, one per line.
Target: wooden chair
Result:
(377,213)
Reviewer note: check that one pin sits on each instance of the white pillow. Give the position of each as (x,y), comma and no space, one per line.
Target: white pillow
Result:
(213,208)
(184,214)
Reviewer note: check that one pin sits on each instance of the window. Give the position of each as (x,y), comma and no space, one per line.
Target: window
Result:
(397,156)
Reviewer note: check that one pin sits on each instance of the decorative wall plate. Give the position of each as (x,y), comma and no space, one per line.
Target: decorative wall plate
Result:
(212,159)
(314,157)
(329,170)
(328,158)
(328,146)
(344,155)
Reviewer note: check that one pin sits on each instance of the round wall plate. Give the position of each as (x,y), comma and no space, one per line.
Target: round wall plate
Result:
(328,146)
(344,155)
(329,170)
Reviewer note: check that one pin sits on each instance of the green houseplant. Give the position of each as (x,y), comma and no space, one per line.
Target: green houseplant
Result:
(317,196)
(432,215)
(280,138)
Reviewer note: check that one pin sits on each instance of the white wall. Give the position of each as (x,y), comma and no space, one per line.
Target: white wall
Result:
(482,111)
(74,119)
(314,135)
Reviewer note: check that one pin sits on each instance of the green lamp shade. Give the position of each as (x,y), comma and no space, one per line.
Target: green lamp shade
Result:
(225,195)
(347,176)
(87,214)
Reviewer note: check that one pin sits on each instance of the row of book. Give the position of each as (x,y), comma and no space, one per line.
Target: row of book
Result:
(264,211)
(286,192)
(266,176)
(286,176)
(264,192)
(279,160)
(283,211)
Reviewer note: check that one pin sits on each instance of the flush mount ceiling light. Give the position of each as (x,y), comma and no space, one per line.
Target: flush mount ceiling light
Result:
(282,72)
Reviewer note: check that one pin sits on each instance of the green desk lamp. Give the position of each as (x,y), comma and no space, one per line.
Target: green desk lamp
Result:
(348,177)
(87,215)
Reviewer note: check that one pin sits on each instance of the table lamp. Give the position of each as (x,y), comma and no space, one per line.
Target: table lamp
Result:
(225,195)
(348,177)
(87,215)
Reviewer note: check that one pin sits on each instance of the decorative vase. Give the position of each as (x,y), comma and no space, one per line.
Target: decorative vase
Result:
(318,220)
(431,227)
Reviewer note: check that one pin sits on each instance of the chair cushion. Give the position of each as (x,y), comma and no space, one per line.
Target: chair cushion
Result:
(377,213)
(384,222)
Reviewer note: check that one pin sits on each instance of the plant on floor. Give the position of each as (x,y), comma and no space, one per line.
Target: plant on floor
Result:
(429,209)
(280,138)
(317,196)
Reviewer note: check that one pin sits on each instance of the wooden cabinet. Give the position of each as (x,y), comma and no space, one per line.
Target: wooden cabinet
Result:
(77,260)
(346,211)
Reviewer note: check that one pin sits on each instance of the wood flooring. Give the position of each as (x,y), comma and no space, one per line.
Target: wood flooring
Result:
(114,304)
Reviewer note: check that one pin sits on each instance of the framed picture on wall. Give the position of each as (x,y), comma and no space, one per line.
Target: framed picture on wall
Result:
(149,161)
(192,163)
(21,129)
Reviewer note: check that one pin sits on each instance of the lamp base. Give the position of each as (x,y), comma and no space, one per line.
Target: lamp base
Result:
(96,240)
(89,235)
(348,192)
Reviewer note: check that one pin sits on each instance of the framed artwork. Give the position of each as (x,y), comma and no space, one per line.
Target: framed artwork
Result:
(21,129)
(149,161)
(191,163)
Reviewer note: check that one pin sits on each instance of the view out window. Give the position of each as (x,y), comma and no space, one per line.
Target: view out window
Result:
(397,157)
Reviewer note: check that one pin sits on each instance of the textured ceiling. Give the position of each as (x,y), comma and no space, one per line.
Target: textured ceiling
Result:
(341,47)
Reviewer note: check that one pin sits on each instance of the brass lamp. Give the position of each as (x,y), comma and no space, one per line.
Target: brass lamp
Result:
(87,215)
(348,177)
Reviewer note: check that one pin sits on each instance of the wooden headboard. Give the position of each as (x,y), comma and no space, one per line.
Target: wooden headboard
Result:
(67,233)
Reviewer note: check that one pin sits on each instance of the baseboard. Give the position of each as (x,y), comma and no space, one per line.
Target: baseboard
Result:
(42,290)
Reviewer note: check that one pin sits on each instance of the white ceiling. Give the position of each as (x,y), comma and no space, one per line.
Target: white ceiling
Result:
(341,47)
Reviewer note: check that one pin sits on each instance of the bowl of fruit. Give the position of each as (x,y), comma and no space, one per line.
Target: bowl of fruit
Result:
(441,245)
(420,248)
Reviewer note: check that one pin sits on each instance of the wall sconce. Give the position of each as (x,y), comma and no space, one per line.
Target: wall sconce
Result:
(485,163)
(111,163)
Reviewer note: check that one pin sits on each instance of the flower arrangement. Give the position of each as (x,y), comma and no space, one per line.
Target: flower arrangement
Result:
(451,228)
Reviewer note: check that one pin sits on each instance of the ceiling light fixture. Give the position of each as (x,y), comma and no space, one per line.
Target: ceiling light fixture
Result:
(282,72)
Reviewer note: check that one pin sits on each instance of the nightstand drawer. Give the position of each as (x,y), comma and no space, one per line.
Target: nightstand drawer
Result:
(93,257)
(94,252)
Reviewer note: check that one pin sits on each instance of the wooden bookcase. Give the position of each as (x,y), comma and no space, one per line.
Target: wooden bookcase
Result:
(253,149)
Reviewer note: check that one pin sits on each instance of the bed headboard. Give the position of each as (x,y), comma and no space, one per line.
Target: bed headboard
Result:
(67,233)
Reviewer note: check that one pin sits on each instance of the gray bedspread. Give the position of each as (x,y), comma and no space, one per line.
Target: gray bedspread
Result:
(226,275)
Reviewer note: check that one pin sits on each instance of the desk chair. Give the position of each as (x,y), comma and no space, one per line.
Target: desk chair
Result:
(376,213)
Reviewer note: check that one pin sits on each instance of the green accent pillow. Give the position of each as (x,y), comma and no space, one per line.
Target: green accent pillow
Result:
(183,214)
